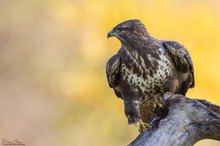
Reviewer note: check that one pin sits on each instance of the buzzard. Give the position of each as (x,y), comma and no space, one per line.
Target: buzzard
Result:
(144,69)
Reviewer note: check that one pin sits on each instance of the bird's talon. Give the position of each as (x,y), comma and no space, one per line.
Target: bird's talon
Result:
(159,105)
(143,127)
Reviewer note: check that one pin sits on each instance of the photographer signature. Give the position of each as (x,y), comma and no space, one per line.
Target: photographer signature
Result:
(11,142)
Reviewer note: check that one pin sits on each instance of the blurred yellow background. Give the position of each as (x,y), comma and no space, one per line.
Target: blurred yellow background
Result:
(53,90)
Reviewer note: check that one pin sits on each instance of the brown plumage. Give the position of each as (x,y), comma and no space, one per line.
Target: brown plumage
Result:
(145,68)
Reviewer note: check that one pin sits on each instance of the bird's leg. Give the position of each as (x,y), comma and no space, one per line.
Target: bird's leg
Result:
(143,126)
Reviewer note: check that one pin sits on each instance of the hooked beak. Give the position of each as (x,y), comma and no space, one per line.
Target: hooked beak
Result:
(109,34)
(115,34)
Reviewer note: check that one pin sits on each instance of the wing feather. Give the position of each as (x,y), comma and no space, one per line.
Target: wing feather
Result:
(181,57)
(113,71)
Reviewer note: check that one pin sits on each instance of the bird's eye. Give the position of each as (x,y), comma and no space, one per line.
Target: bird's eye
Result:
(120,29)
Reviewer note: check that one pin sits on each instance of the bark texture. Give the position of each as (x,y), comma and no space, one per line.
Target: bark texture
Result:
(182,122)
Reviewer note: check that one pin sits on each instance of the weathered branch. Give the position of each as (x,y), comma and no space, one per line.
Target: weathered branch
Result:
(182,122)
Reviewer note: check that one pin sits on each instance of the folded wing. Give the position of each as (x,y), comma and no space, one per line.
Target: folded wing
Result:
(181,58)
(113,72)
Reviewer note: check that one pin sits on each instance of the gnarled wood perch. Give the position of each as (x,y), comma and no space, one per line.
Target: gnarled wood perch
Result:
(182,122)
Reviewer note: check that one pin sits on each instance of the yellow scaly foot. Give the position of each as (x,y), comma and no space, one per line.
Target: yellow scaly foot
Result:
(157,103)
(143,126)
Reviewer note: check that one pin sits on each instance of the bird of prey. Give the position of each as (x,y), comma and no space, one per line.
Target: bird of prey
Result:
(144,69)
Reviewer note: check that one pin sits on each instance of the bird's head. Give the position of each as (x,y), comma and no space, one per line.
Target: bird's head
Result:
(129,30)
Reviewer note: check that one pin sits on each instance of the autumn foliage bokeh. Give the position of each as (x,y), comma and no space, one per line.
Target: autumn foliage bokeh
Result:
(53,89)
